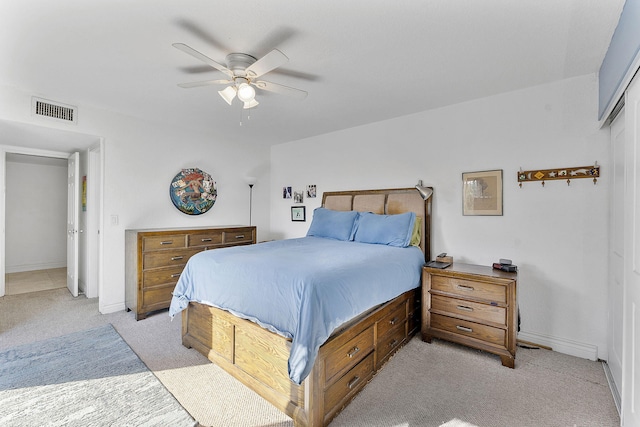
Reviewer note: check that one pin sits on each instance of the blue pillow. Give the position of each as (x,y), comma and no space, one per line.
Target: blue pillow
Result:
(332,224)
(391,230)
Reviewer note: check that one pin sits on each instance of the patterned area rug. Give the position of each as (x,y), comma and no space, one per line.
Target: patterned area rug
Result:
(85,378)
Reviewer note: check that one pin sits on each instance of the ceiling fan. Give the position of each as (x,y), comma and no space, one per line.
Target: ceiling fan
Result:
(243,72)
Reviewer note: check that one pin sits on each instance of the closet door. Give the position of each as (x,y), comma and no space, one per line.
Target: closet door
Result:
(631,291)
(616,255)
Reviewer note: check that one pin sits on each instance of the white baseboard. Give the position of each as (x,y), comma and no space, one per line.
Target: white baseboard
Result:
(33,267)
(110,308)
(572,348)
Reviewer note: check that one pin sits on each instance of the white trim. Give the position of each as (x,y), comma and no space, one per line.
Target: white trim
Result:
(622,88)
(561,345)
(614,390)
(33,267)
(110,308)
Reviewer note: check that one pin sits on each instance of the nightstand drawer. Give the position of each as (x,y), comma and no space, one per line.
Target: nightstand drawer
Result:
(470,289)
(349,354)
(470,329)
(480,312)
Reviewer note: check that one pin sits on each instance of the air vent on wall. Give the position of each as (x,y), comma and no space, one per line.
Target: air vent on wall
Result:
(54,110)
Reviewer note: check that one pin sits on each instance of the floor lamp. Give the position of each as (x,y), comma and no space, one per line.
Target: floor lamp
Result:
(251,181)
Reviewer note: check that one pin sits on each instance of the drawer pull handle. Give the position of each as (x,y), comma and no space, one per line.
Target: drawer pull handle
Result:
(207,239)
(353,382)
(465,288)
(173,276)
(393,321)
(463,328)
(240,236)
(393,343)
(464,308)
(176,258)
(167,242)
(353,352)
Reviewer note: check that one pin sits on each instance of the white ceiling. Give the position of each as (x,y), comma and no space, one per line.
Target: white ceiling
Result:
(360,60)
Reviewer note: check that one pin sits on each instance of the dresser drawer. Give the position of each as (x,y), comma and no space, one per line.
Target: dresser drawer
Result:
(489,292)
(205,239)
(153,243)
(480,312)
(162,276)
(397,316)
(469,329)
(349,384)
(157,297)
(167,258)
(239,236)
(349,354)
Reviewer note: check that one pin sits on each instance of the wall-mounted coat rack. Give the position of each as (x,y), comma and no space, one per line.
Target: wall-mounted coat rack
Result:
(542,175)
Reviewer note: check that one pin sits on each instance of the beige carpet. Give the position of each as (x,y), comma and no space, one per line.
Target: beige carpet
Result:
(423,385)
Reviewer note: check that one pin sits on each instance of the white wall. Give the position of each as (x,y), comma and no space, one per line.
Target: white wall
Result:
(140,160)
(36,217)
(557,235)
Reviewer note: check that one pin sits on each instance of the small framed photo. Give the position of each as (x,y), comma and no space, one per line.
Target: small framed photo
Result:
(298,196)
(298,213)
(311,191)
(286,192)
(482,193)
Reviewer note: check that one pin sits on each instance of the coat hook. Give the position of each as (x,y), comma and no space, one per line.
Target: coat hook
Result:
(568,181)
(543,183)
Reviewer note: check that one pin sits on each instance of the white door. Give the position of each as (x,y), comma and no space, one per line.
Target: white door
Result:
(631,291)
(73,213)
(616,255)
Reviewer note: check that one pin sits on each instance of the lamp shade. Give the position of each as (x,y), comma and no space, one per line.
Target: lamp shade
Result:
(246,92)
(425,192)
(228,94)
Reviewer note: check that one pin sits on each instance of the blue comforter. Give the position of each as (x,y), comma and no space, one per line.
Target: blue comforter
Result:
(299,288)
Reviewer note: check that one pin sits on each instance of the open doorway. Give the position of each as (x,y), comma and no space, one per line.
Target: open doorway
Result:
(35,144)
(35,218)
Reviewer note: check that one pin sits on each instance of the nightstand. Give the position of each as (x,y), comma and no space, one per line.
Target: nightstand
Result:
(473,305)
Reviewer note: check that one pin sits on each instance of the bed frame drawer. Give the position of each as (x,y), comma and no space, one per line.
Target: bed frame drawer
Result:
(348,385)
(349,354)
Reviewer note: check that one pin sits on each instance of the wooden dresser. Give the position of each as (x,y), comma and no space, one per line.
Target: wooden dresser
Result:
(472,305)
(155,258)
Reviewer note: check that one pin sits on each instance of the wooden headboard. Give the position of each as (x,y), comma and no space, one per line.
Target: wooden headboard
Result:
(389,202)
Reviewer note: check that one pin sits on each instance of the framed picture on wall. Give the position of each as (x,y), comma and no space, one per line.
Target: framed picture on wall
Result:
(482,193)
(298,213)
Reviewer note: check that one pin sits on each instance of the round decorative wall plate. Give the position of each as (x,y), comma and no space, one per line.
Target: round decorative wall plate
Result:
(193,191)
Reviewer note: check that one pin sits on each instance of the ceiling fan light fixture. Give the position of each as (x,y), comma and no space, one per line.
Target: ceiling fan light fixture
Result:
(228,94)
(250,104)
(246,93)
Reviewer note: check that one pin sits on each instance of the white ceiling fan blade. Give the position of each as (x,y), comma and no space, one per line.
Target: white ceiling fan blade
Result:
(228,94)
(189,50)
(277,88)
(204,83)
(271,60)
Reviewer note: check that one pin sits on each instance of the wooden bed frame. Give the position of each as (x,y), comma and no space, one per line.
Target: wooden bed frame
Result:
(345,362)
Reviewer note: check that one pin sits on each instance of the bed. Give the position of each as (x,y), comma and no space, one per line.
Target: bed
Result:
(310,368)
